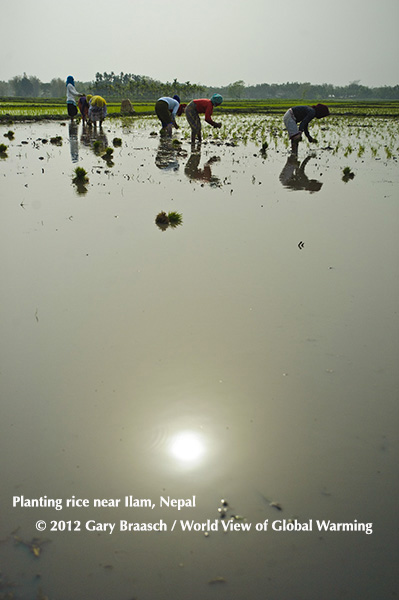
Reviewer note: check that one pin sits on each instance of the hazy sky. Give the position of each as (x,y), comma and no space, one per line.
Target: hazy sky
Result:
(213,43)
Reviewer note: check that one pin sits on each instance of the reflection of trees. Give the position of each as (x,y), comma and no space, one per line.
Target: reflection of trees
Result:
(293,175)
(193,171)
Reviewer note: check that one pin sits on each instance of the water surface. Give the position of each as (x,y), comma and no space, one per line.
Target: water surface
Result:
(248,354)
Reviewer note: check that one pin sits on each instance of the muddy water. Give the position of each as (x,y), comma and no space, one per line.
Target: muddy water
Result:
(248,354)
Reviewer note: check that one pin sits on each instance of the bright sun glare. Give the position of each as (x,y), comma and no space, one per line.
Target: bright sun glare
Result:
(187,446)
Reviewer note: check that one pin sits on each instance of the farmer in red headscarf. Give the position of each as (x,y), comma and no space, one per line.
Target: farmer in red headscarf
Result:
(302,115)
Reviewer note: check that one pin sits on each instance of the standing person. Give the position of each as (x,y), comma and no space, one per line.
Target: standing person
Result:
(71,94)
(83,106)
(97,109)
(166,110)
(202,106)
(302,115)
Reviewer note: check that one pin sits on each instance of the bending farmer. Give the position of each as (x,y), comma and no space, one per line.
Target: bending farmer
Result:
(202,106)
(166,110)
(302,115)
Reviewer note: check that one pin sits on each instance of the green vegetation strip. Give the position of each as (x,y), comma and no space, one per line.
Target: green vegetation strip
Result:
(36,109)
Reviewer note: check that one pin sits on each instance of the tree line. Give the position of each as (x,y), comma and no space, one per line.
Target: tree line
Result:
(354,90)
(140,87)
(108,85)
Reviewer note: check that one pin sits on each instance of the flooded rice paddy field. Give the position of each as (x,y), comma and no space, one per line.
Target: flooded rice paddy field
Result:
(246,355)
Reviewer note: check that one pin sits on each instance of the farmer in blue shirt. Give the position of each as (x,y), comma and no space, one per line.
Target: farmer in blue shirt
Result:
(166,110)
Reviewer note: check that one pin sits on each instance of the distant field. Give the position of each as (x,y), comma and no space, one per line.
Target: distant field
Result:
(36,109)
(343,107)
(43,109)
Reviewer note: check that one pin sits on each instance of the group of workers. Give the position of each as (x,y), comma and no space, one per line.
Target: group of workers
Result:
(94,109)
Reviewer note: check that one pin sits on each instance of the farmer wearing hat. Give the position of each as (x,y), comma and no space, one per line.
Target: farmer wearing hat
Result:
(202,106)
(302,115)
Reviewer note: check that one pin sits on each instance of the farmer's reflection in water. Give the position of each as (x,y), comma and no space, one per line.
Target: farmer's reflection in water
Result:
(94,138)
(73,142)
(293,175)
(193,171)
(166,157)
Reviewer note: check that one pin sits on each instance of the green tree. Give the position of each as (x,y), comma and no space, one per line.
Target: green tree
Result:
(236,90)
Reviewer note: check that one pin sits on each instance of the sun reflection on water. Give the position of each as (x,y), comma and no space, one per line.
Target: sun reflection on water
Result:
(187,447)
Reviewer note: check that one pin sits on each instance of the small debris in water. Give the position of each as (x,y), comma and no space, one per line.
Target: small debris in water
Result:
(217,580)
(272,503)
(276,505)
(35,545)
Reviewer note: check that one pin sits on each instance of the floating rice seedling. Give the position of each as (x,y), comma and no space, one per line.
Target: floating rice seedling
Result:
(97,146)
(175,218)
(162,220)
(56,140)
(80,180)
(171,219)
(347,174)
(80,175)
